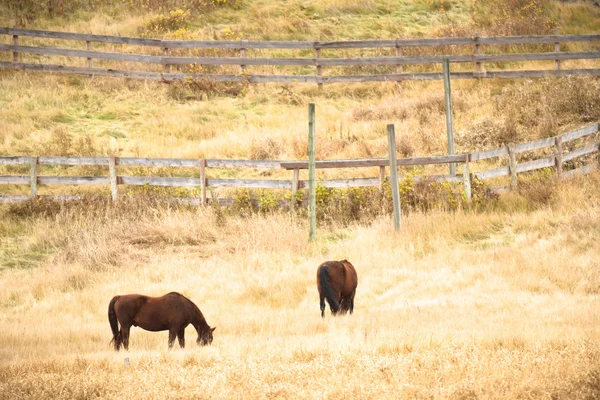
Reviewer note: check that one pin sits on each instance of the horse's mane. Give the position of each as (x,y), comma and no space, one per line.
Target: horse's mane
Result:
(191,303)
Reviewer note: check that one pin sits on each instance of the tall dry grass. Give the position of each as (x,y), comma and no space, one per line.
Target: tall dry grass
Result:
(495,304)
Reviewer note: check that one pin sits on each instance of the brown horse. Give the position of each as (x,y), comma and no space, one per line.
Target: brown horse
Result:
(337,281)
(172,312)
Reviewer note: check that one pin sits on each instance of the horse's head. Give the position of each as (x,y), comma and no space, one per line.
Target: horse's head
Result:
(206,337)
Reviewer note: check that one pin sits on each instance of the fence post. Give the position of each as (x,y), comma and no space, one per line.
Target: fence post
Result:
(203,182)
(477,52)
(557,50)
(16,43)
(467,179)
(319,67)
(88,46)
(295,177)
(312,184)
(166,54)
(243,54)
(449,122)
(381,177)
(394,176)
(112,170)
(398,54)
(34,161)
(512,166)
(558,156)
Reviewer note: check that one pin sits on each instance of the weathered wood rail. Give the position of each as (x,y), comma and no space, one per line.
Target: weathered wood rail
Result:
(243,61)
(556,160)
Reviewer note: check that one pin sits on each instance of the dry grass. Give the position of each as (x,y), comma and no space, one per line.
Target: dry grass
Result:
(462,305)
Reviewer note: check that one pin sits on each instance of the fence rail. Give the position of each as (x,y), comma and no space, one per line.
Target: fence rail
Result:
(201,181)
(318,62)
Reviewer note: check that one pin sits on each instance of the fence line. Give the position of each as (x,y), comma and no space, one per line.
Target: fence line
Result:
(114,180)
(166,60)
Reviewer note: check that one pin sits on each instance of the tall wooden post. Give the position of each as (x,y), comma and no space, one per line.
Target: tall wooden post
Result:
(312,184)
(394,176)
(449,123)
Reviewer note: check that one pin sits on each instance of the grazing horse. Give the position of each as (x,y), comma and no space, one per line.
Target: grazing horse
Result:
(337,281)
(172,312)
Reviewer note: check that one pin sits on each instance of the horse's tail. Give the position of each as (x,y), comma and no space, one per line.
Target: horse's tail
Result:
(327,289)
(114,324)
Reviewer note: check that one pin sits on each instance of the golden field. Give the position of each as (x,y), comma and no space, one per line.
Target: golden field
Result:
(495,304)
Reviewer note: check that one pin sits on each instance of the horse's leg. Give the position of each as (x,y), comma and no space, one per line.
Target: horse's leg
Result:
(322,298)
(352,302)
(125,336)
(172,335)
(181,337)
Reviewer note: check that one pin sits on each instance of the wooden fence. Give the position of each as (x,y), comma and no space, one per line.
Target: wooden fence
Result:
(512,169)
(319,62)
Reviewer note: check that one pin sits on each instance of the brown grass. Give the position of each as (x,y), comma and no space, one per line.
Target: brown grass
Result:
(500,304)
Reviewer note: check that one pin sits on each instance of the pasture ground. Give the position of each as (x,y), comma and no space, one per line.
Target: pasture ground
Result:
(494,304)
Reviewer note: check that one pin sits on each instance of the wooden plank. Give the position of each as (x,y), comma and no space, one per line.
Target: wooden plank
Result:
(250,183)
(235,44)
(14,160)
(538,39)
(581,152)
(375,162)
(492,173)
(52,160)
(114,180)
(298,44)
(483,155)
(159,181)
(13,198)
(259,164)
(581,132)
(536,164)
(157,162)
(537,144)
(15,180)
(34,176)
(80,36)
(345,183)
(53,51)
(293,78)
(586,169)
(73,180)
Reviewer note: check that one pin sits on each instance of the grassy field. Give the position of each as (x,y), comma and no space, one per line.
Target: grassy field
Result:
(499,300)
(500,304)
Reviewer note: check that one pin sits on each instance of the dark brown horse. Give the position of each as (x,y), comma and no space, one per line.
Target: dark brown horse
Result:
(171,312)
(337,281)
